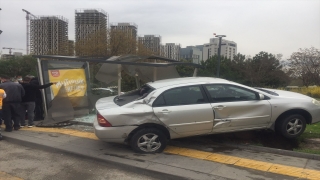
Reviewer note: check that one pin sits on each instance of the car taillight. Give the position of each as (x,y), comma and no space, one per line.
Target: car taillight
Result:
(102,121)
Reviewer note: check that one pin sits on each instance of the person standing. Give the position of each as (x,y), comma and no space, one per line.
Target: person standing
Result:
(29,100)
(2,96)
(39,108)
(11,107)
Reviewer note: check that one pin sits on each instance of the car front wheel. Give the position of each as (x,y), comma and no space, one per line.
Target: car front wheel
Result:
(149,140)
(292,126)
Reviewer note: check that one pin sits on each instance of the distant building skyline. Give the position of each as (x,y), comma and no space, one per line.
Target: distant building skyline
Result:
(48,34)
(127,27)
(170,50)
(88,22)
(192,53)
(228,48)
(151,42)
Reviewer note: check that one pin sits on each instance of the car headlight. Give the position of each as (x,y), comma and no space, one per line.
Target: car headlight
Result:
(316,102)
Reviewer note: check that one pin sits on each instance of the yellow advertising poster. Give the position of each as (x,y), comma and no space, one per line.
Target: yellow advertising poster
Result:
(73,80)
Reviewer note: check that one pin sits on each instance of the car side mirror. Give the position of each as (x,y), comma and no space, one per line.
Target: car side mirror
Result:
(261,96)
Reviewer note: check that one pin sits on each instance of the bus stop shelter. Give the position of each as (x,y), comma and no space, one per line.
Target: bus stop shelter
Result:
(72,97)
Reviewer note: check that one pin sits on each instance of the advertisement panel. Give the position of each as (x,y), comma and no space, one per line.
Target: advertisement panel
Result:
(73,80)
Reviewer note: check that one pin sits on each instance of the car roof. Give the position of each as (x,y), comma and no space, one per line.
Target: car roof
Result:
(185,80)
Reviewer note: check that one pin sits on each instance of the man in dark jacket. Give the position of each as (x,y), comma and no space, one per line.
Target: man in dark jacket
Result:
(11,108)
(39,106)
(28,101)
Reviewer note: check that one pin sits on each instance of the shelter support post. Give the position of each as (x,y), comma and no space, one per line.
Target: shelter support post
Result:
(155,72)
(42,90)
(119,79)
(195,72)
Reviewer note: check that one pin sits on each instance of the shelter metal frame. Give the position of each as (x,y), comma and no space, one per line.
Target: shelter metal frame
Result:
(169,62)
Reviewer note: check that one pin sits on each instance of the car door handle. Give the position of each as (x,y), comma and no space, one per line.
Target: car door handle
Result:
(219,107)
(165,111)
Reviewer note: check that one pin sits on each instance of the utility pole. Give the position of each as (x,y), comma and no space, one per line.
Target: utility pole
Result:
(219,52)
(28,27)
(0,30)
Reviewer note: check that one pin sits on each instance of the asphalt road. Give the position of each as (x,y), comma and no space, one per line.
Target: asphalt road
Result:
(21,162)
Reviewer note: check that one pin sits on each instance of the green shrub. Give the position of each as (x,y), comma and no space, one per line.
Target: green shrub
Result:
(310,91)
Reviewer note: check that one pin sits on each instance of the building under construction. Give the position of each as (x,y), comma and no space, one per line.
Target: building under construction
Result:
(90,23)
(49,35)
(130,29)
(151,42)
(125,32)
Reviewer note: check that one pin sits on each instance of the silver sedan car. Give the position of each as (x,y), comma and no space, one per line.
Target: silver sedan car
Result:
(148,117)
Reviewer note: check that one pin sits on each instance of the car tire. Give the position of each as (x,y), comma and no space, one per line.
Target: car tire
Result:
(292,126)
(149,140)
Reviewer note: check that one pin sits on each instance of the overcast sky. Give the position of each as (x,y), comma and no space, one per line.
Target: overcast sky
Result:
(255,25)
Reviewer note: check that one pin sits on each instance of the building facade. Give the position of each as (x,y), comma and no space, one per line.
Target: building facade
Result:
(127,32)
(48,35)
(228,48)
(192,53)
(89,24)
(131,29)
(151,42)
(170,50)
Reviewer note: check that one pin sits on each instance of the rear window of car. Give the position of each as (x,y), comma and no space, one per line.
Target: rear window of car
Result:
(133,95)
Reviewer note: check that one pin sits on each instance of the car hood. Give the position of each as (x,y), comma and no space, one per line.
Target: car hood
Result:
(289,94)
(106,103)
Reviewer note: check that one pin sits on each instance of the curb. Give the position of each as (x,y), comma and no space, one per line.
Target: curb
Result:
(178,173)
(123,166)
(255,148)
(274,151)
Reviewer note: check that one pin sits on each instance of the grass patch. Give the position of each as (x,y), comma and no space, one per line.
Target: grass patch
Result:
(312,131)
(310,151)
(311,91)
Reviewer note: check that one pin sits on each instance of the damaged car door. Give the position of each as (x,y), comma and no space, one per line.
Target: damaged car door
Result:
(185,110)
(237,108)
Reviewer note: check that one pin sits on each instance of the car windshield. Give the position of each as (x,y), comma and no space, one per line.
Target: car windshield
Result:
(267,91)
(133,95)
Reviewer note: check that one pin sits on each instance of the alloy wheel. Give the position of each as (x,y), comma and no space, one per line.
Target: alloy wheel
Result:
(149,142)
(294,126)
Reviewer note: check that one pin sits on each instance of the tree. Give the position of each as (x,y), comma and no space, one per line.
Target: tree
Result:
(210,68)
(18,66)
(305,64)
(266,70)
(262,70)
(185,71)
(95,45)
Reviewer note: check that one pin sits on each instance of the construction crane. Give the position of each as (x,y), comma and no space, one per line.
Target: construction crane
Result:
(11,49)
(28,27)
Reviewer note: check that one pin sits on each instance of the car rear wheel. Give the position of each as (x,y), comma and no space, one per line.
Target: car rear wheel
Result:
(149,140)
(292,126)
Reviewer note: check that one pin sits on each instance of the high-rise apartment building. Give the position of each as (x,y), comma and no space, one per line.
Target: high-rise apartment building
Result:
(228,48)
(125,32)
(170,50)
(88,23)
(151,42)
(49,35)
(131,29)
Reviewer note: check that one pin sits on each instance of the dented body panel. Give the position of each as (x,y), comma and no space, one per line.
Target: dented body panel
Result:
(205,116)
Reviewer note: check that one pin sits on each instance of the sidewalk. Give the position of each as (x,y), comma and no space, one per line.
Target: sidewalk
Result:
(175,162)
